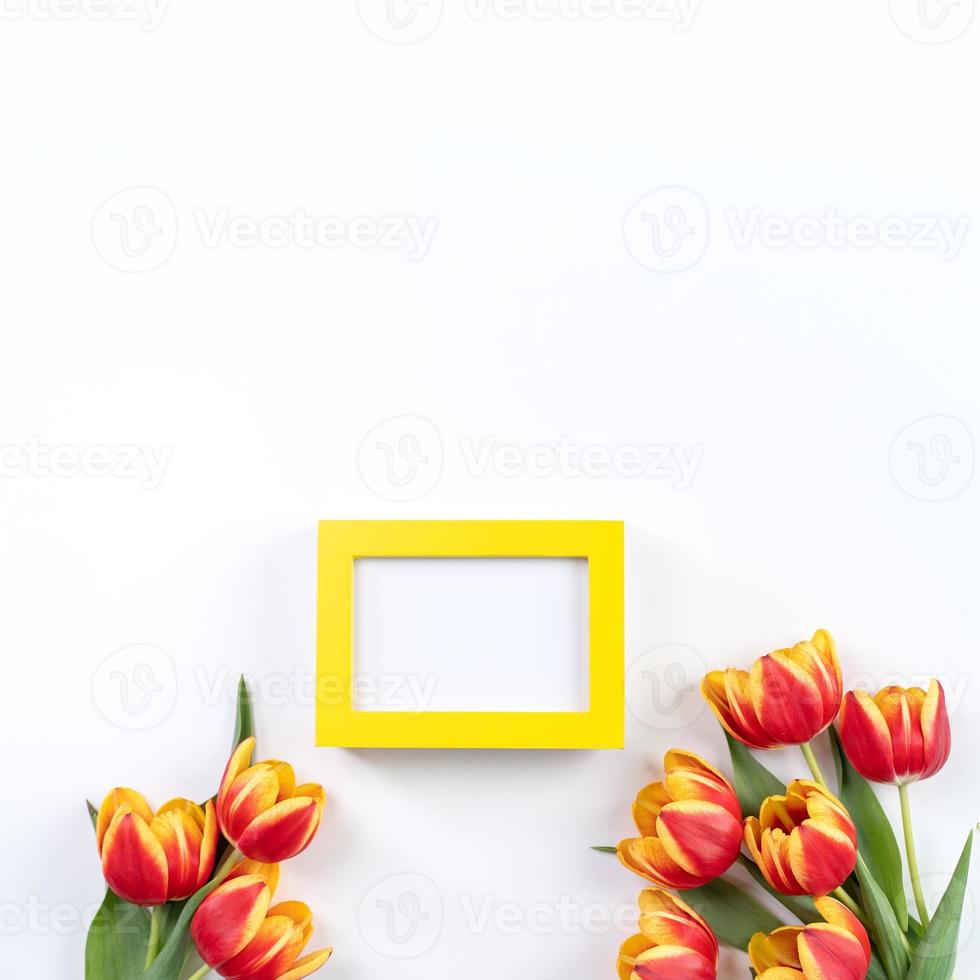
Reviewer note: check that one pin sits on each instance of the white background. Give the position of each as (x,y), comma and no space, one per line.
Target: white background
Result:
(769,390)
(413,624)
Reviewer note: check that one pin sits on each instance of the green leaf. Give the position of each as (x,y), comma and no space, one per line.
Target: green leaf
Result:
(734,916)
(888,936)
(800,905)
(935,956)
(876,839)
(244,718)
(604,849)
(117,939)
(173,955)
(875,970)
(93,813)
(753,781)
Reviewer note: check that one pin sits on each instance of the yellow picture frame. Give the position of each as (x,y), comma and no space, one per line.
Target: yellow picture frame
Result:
(339,723)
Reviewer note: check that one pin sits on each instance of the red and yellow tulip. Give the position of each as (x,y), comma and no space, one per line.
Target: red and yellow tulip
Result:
(238,935)
(262,811)
(837,949)
(674,942)
(899,736)
(787,698)
(805,842)
(690,825)
(148,858)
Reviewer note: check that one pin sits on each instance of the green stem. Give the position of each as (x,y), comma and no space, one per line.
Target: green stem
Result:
(811,760)
(231,859)
(800,906)
(153,946)
(920,899)
(203,972)
(846,899)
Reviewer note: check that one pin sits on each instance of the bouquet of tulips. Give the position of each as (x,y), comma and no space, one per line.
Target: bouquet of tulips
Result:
(200,878)
(828,856)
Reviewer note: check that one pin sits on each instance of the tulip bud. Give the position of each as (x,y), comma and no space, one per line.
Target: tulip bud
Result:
(674,942)
(899,736)
(263,812)
(690,825)
(837,949)
(789,696)
(805,842)
(148,860)
(238,935)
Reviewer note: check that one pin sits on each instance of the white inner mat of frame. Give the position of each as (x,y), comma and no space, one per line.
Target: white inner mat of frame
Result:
(471,634)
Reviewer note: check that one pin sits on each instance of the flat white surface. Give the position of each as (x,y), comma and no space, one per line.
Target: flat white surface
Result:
(804,415)
(471,634)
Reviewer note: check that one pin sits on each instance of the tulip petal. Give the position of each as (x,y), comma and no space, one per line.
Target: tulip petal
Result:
(689,777)
(209,845)
(647,806)
(779,948)
(133,860)
(285,776)
(268,872)
(777,863)
(628,953)
(180,837)
(301,915)
(936,738)
(829,953)
(252,793)
(866,738)
(787,699)
(821,857)
(841,917)
(673,963)
(308,964)
(237,764)
(282,831)
(727,693)
(192,809)
(703,838)
(665,920)
(901,709)
(648,857)
(228,919)
(272,950)
(116,798)
(781,973)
